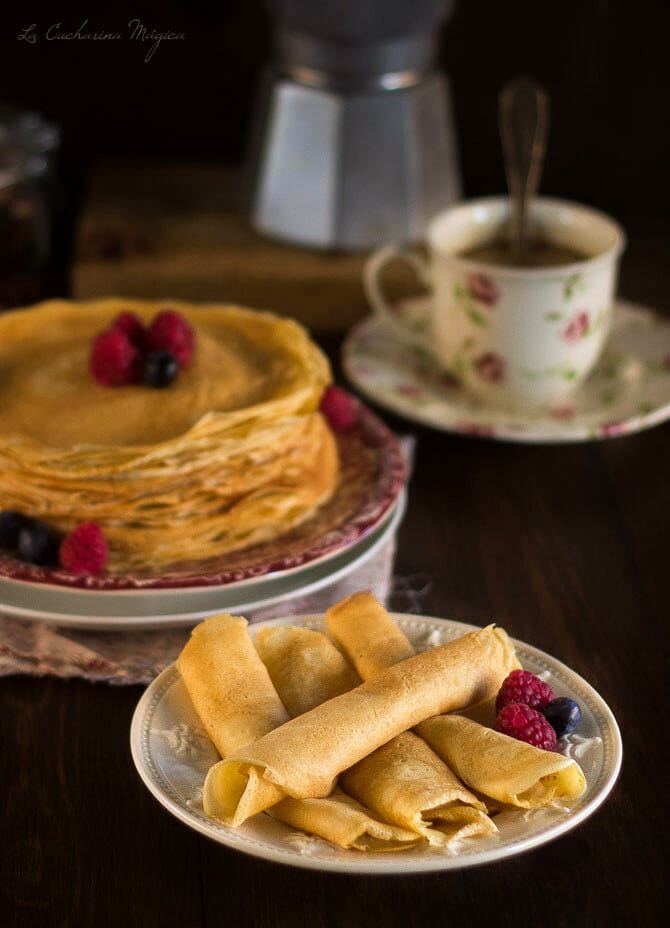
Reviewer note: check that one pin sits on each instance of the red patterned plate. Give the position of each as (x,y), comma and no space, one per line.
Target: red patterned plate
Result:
(373,473)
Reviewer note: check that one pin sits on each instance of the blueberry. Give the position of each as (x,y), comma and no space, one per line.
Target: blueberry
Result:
(38,544)
(11,523)
(563,714)
(160,369)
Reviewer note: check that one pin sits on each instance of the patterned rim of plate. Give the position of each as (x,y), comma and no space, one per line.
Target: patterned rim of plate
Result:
(275,844)
(629,391)
(373,473)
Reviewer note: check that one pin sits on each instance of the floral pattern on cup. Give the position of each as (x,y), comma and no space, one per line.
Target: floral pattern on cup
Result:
(449,380)
(562,413)
(573,284)
(490,366)
(483,289)
(577,328)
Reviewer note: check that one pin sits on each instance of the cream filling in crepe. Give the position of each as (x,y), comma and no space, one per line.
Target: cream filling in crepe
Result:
(501,767)
(303,757)
(234,453)
(235,700)
(494,765)
(403,781)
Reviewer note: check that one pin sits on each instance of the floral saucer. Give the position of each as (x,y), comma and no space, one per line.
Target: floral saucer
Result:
(628,391)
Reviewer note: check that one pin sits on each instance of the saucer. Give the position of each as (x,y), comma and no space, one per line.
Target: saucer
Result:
(628,391)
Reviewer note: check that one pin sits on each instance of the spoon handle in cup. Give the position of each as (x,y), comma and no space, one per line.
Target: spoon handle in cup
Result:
(523,112)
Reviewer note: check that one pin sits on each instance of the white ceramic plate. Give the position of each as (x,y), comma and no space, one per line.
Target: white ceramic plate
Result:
(153,609)
(629,390)
(172,754)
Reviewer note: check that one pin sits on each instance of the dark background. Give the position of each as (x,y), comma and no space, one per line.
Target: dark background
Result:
(605,64)
(567,547)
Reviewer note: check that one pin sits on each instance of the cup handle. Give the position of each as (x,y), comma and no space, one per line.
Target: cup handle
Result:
(376,298)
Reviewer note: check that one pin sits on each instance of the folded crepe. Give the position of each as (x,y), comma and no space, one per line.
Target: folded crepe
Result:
(343,821)
(502,768)
(234,698)
(492,764)
(404,781)
(303,757)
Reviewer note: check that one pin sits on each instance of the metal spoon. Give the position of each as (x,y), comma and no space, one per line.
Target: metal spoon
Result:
(523,114)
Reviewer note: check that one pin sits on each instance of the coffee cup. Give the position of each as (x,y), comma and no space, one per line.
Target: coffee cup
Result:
(513,335)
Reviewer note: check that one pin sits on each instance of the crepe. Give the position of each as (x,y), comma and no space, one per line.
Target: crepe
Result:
(403,781)
(502,768)
(234,453)
(229,686)
(305,666)
(345,822)
(364,629)
(303,757)
(236,702)
(494,765)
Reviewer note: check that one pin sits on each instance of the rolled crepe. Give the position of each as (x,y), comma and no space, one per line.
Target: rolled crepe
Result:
(305,666)
(368,634)
(235,700)
(303,757)
(229,686)
(500,767)
(494,765)
(404,781)
(345,822)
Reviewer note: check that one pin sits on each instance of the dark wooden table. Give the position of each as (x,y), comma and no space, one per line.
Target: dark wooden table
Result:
(567,547)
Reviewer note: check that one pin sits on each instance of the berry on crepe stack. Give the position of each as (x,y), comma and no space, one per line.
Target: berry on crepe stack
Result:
(85,549)
(127,353)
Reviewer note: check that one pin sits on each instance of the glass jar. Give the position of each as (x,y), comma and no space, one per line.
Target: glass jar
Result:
(29,195)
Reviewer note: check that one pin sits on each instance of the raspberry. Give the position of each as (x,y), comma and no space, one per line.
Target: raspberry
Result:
(524,686)
(114,360)
(340,409)
(169,331)
(85,549)
(133,327)
(525,724)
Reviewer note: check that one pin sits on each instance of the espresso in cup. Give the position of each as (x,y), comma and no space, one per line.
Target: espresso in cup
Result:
(536,254)
(514,334)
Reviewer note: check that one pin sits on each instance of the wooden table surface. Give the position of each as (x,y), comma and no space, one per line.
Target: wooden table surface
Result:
(567,547)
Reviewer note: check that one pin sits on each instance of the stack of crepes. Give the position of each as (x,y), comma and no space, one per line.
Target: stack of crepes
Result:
(233,453)
(347,766)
